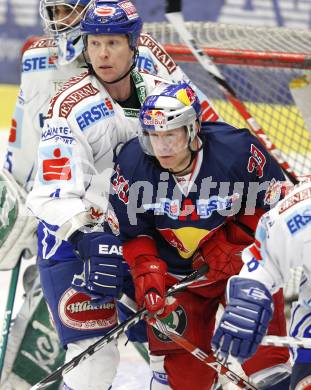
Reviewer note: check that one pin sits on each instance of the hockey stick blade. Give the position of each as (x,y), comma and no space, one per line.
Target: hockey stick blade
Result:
(112,334)
(178,23)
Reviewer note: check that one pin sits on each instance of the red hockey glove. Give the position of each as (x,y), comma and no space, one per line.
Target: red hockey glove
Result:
(149,280)
(148,272)
(222,257)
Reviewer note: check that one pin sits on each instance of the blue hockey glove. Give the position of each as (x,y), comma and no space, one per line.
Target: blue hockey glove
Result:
(102,274)
(245,320)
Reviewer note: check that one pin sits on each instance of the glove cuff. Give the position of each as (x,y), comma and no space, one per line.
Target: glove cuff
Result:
(79,234)
(139,246)
(249,290)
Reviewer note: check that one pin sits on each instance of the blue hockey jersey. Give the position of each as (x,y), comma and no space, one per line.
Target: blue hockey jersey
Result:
(232,174)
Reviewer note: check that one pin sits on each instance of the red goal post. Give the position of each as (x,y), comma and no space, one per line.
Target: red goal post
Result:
(263,65)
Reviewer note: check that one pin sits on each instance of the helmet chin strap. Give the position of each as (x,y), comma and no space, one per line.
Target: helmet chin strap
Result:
(192,157)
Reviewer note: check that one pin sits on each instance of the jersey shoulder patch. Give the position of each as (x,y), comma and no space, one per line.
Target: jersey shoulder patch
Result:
(157,52)
(29,43)
(39,56)
(72,92)
(300,194)
(41,42)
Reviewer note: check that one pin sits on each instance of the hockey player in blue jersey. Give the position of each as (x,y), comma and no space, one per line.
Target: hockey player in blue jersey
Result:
(181,192)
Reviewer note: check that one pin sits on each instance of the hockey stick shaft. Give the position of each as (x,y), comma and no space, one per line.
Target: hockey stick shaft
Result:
(111,335)
(207,359)
(287,341)
(174,16)
(8,313)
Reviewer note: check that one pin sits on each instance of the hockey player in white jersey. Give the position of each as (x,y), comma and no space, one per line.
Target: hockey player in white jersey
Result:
(88,117)
(52,60)
(46,65)
(283,241)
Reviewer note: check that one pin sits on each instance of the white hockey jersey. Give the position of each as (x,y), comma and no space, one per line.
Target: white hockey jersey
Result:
(41,79)
(83,127)
(283,241)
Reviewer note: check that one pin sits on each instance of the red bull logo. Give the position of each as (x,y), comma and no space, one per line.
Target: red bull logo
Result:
(173,240)
(186,95)
(154,118)
(273,192)
(120,186)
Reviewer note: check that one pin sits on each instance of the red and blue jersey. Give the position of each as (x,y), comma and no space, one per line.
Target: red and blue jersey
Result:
(232,174)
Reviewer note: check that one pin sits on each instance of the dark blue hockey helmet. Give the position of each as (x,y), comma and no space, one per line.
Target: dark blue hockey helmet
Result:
(113,17)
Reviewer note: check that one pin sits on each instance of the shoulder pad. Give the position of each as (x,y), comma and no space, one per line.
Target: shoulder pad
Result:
(129,149)
(40,56)
(70,94)
(156,51)
(30,41)
(299,194)
(38,44)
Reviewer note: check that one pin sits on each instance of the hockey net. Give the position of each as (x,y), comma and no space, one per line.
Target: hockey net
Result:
(262,65)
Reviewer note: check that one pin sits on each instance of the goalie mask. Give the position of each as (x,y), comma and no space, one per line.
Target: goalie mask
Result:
(173,110)
(62,21)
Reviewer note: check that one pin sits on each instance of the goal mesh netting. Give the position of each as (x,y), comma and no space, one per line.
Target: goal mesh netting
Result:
(260,64)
